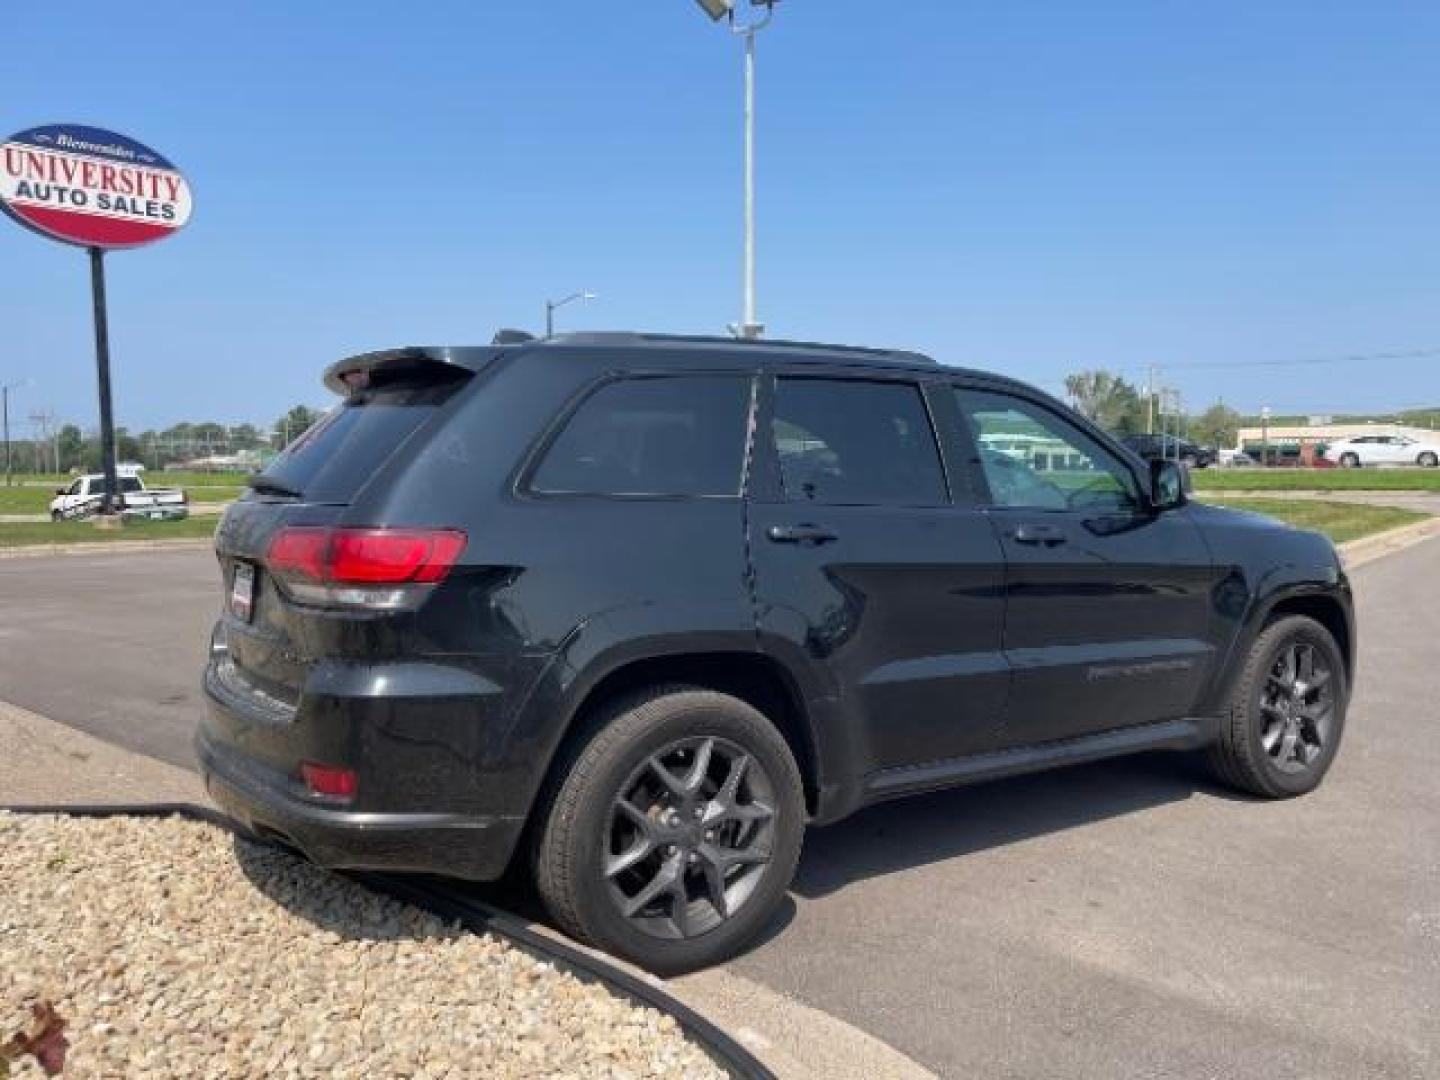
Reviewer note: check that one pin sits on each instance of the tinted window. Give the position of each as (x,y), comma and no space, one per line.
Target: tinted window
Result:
(1031,457)
(851,442)
(337,454)
(130,483)
(663,436)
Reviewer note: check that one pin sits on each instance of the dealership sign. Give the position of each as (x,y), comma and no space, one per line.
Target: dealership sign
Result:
(91,187)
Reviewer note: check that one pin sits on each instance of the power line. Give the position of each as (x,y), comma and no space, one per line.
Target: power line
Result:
(1357,358)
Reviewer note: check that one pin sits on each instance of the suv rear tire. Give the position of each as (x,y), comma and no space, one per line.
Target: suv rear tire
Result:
(1287,714)
(1427,460)
(1349,461)
(680,792)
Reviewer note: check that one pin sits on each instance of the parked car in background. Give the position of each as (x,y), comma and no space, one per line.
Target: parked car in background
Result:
(630,611)
(1235,459)
(83,497)
(1359,450)
(1170,448)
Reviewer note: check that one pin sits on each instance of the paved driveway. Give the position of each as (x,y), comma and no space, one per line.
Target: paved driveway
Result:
(1119,920)
(111,644)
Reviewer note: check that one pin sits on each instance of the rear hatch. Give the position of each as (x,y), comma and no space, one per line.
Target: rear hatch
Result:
(280,613)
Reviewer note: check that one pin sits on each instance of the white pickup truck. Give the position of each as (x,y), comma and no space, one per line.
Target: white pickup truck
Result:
(82,499)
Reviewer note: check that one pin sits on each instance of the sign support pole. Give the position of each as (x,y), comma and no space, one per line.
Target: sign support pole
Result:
(110,505)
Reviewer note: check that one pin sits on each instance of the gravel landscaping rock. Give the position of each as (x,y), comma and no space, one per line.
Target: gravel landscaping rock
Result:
(175,950)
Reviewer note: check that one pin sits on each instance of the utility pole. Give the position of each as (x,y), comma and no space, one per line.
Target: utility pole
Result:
(45,437)
(5,419)
(5,394)
(1150,400)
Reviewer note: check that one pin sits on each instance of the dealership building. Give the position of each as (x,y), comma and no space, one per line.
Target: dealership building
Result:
(1293,439)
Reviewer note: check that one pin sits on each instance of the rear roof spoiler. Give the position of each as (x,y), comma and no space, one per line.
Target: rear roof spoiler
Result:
(341,376)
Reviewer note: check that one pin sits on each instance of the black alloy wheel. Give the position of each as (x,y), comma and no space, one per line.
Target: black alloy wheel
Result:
(1297,706)
(691,832)
(674,829)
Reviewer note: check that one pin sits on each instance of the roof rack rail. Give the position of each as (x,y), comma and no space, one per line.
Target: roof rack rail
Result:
(632,337)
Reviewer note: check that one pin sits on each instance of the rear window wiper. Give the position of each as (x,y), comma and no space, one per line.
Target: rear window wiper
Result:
(270,486)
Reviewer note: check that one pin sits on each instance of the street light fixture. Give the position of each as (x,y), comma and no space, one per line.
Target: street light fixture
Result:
(748,327)
(717,9)
(551,305)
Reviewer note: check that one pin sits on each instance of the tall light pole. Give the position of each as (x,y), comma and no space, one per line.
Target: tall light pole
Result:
(749,326)
(551,305)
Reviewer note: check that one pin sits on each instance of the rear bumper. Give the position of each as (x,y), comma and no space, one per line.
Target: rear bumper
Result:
(475,848)
(431,798)
(160,513)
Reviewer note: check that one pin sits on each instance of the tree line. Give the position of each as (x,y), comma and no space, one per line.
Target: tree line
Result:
(1124,409)
(69,449)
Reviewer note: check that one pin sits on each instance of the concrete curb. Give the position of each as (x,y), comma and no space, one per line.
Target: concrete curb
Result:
(118,547)
(196,510)
(793,1040)
(1369,548)
(1308,493)
(1422,500)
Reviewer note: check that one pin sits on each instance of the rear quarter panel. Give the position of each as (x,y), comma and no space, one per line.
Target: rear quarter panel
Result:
(564,588)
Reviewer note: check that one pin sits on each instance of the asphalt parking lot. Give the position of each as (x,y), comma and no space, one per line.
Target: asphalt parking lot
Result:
(1121,920)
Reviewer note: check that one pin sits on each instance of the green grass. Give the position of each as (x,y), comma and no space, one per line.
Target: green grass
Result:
(36,500)
(1339,521)
(1316,479)
(76,532)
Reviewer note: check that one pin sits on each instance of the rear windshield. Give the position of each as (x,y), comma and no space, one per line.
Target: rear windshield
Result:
(342,450)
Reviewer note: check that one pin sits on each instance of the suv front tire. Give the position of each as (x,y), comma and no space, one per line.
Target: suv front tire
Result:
(1287,715)
(675,832)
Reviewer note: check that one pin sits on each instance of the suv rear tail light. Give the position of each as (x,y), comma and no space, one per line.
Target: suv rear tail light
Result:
(375,568)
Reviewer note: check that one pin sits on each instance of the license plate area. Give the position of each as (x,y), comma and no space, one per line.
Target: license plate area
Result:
(242,592)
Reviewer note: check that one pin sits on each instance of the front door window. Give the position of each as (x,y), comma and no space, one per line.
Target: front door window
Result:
(1033,459)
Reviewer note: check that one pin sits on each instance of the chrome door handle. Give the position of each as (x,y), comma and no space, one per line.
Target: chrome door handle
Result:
(1038,535)
(800,534)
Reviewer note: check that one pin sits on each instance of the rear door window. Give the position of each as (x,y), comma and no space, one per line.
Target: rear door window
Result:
(336,455)
(853,442)
(662,436)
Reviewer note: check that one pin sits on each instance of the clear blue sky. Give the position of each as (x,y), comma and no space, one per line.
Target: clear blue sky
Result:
(1033,188)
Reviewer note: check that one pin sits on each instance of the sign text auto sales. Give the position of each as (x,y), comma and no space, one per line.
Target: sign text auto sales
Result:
(64,181)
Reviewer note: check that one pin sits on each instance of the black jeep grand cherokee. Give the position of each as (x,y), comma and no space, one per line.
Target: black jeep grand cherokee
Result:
(636,609)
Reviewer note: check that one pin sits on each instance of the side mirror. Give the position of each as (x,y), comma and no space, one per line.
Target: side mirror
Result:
(61,490)
(1169,484)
